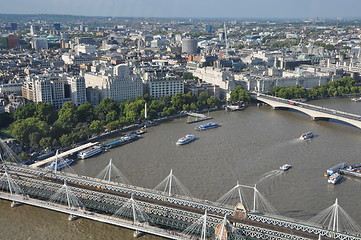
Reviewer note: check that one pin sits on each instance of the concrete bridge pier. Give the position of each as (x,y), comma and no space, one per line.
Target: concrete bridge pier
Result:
(72,217)
(15,204)
(137,234)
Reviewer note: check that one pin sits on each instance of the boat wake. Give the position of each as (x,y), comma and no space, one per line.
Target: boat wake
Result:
(270,174)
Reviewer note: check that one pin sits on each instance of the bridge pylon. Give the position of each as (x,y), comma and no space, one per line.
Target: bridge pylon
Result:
(112,173)
(8,184)
(171,185)
(66,195)
(334,218)
(131,209)
(198,228)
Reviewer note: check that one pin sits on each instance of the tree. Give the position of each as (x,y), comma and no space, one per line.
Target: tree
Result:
(85,112)
(133,110)
(46,112)
(111,116)
(67,117)
(214,102)
(156,105)
(5,120)
(238,94)
(105,106)
(96,126)
(66,140)
(168,111)
(113,125)
(23,130)
(178,100)
(202,100)
(165,101)
(46,142)
(26,111)
(34,139)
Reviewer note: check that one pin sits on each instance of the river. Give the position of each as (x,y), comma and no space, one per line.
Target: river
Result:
(249,147)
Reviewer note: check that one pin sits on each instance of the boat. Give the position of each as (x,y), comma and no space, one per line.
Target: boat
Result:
(234,107)
(187,139)
(113,144)
(141,131)
(356,99)
(307,135)
(285,167)
(207,126)
(60,164)
(335,169)
(334,178)
(89,152)
(353,170)
(122,141)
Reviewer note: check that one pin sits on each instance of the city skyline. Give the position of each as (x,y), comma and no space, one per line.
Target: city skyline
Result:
(190,9)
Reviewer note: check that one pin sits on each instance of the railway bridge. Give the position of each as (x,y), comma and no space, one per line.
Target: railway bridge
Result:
(150,211)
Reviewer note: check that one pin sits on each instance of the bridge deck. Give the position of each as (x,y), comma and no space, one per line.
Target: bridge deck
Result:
(64,154)
(94,216)
(180,208)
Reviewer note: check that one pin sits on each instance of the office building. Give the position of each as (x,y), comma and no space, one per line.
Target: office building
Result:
(54,89)
(116,82)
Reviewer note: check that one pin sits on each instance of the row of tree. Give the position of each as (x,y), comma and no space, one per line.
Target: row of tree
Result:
(40,125)
(344,86)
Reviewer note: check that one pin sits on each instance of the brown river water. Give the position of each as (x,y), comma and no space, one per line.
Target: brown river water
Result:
(249,147)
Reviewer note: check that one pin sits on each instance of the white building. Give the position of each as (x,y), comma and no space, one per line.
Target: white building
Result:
(116,82)
(85,48)
(55,89)
(78,91)
(216,76)
(77,59)
(164,86)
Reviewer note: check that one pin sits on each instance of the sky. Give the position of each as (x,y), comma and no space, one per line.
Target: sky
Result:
(305,9)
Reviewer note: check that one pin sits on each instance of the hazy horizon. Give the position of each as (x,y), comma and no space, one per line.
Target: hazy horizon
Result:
(261,9)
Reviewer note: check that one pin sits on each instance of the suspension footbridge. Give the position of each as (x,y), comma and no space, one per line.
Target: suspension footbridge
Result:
(168,211)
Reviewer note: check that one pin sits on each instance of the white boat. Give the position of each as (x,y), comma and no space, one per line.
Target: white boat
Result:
(285,167)
(187,139)
(60,164)
(141,131)
(334,178)
(234,107)
(307,135)
(356,99)
(89,152)
(207,126)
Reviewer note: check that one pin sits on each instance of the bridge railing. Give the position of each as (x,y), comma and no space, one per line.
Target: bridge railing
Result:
(195,203)
(128,189)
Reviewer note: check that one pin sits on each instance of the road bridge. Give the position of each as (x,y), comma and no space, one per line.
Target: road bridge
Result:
(315,112)
(105,201)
